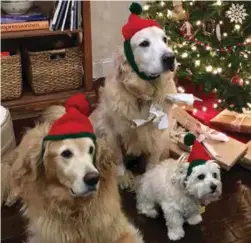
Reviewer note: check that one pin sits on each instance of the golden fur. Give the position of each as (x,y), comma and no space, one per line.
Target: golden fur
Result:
(54,214)
(126,97)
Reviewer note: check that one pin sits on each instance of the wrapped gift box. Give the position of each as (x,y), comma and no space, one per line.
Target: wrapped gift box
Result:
(231,121)
(246,160)
(228,153)
(175,150)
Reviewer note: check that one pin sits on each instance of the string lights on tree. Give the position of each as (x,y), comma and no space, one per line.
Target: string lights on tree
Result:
(214,52)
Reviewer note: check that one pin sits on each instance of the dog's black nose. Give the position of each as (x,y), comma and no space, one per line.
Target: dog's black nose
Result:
(168,61)
(213,188)
(91,179)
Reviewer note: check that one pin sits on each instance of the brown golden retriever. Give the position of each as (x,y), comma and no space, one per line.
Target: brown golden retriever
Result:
(58,207)
(125,98)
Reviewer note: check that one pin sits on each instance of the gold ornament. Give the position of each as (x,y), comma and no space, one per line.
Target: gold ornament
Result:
(178,13)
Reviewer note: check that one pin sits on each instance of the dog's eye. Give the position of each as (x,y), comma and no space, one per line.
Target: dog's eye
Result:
(215,175)
(91,149)
(165,39)
(145,44)
(201,177)
(67,154)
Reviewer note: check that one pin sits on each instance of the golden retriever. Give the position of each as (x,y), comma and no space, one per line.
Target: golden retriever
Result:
(58,207)
(126,97)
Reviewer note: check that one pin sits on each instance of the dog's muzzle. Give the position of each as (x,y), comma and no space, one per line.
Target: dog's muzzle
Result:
(168,61)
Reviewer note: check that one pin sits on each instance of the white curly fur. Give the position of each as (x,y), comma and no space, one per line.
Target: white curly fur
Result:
(178,196)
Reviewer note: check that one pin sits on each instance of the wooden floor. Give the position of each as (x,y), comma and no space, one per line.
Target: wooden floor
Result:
(225,221)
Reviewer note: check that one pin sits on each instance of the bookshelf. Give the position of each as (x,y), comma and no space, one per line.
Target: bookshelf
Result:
(33,33)
(31,105)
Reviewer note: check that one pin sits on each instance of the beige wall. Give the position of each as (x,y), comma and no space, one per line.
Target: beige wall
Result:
(107,19)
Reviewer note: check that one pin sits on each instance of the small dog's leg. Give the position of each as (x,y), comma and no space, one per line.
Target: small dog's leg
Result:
(174,222)
(194,219)
(145,205)
(147,208)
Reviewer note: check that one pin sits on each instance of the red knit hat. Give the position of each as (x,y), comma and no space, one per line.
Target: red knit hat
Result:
(74,123)
(198,155)
(135,23)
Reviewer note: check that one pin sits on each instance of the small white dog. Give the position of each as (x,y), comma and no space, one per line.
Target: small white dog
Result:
(179,193)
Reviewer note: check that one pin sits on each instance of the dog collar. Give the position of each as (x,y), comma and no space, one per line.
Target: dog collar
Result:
(130,58)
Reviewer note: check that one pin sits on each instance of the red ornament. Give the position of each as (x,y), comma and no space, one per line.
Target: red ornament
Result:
(237,80)
(230,48)
(188,78)
(222,50)
(198,42)
(187,30)
(240,44)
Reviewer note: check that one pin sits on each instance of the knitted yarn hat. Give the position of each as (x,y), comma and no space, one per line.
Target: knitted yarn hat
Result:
(74,123)
(135,24)
(198,155)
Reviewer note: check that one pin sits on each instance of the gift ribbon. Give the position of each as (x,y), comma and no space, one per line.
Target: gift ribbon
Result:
(237,122)
(239,118)
(205,134)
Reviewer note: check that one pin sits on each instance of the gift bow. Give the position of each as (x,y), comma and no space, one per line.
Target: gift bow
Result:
(205,134)
(184,98)
(157,116)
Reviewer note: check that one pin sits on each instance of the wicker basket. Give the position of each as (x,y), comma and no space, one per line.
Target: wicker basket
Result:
(55,70)
(11,77)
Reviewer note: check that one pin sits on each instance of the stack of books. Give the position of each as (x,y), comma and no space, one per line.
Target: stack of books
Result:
(67,15)
(33,20)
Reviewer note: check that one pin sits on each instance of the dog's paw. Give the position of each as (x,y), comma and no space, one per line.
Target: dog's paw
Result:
(127,181)
(121,170)
(196,219)
(151,213)
(176,234)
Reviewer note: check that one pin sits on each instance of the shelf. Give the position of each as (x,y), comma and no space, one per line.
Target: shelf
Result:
(31,105)
(33,33)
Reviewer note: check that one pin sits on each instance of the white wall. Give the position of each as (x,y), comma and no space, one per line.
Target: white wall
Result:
(107,18)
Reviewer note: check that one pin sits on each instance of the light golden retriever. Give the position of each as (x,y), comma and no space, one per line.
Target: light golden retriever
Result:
(126,97)
(58,208)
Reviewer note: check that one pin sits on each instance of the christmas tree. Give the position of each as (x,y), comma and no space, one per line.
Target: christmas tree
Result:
(212,43)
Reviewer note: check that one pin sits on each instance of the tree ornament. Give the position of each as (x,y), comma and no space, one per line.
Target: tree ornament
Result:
(236,13)
(218,32)
(187,30)
(248,41)
(208,27)
(178,13)
(237,80)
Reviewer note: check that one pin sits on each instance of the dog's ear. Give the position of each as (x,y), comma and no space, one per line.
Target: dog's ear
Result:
(121,65)
(105,160)
(180,173)
(25,167)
